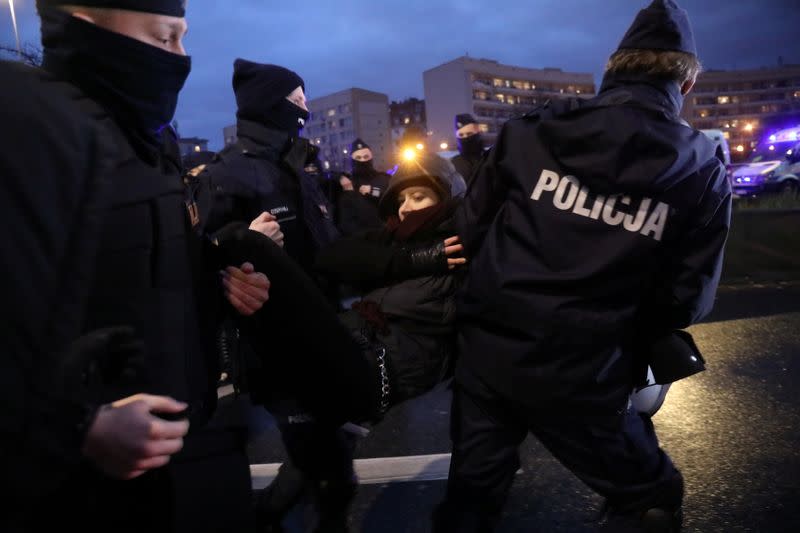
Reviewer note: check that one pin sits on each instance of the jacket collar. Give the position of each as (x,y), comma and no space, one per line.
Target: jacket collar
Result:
(645,91)
(262,140)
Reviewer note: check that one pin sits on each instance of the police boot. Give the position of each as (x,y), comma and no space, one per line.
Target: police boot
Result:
(654,520)
(274,502)
(659,520)
(333,500)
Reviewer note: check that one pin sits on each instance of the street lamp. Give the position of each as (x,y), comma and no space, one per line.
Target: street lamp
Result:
(14,22)
(409,154)
(443,146)
(420,146)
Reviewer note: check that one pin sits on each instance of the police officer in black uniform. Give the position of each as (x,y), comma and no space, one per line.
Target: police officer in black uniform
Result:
(592,226)
(470,145)
(357,208)
(261,178)
(106,304)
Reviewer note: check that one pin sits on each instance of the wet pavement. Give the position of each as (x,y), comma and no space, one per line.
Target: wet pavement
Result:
(734,431)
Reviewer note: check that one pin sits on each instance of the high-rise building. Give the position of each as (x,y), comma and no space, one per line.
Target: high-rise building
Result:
(229,134)
(408,120)
(492,93)
(745,104)
(338,119)
(189,145)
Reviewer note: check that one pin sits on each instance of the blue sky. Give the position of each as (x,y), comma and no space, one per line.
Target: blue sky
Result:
(385,45)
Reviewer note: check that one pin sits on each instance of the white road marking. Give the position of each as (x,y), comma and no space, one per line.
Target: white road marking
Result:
(377,471)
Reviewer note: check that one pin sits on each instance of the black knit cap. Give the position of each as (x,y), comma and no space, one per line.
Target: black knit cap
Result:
(663,25)
(464,119)
(173,8)
(260,87)
(428,170)
(357,145)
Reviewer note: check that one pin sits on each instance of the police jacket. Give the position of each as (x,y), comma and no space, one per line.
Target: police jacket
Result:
(96,237)
(356,212)
(263,171)
(465,165)
(590,219)
(409,284)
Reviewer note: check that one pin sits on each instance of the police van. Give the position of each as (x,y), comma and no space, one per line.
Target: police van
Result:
(773,167)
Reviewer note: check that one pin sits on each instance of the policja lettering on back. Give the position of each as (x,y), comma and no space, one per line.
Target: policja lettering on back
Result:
(570,194)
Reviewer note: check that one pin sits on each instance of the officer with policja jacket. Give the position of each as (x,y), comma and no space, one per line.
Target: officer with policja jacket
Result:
(595,228)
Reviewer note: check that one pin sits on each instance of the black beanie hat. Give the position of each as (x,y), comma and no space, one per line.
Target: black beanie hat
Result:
(463,120)
(357,145)
(173,8)
(663,25)
(429,170)
(259,88)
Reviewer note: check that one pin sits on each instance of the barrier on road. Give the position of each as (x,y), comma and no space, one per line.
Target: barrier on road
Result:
(376,471)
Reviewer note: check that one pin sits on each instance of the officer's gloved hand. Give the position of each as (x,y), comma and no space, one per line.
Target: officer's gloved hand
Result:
(103,357)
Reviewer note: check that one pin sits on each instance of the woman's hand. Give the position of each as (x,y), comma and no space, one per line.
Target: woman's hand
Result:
(453,250)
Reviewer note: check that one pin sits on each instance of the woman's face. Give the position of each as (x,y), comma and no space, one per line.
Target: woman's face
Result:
(415,198)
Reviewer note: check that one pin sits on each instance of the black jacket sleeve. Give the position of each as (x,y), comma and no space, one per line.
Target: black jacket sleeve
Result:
(368,260)
(486,192)
(694,266)
(49,172)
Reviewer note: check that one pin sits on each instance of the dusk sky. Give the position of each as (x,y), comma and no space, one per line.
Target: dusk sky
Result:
(385,45)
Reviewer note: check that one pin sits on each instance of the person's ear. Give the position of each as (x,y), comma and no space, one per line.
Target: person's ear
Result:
(687,86)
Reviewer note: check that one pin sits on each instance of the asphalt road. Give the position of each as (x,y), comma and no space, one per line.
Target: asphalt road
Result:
(733,430)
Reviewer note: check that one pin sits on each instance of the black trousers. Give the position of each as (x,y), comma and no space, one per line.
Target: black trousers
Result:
(206,488)
(617,456)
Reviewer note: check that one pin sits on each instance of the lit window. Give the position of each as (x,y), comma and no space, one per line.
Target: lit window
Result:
(726,134)
(197,148)
(497,82)
(500,97)
(723,99)
(406,120)
(484,128)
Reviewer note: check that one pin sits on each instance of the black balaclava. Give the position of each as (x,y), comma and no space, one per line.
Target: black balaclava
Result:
(138,84)
(261,92)
(470,147)
(361,169)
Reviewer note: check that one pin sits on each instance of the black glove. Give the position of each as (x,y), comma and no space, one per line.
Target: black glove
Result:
(103,357)
(428,260)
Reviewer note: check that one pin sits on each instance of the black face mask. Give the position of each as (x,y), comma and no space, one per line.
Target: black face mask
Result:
(136,83)
(363,167)
(288,117)
(471,146)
